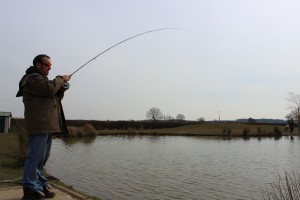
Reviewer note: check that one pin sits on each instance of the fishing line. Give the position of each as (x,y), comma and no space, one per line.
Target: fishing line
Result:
(162,29)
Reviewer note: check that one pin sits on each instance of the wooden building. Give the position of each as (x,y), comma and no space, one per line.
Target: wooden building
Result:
(5,122)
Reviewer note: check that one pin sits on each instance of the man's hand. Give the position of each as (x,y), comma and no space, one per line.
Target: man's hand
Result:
(66,77)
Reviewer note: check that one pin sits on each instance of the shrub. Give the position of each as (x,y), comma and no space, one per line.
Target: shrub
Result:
(227,131)
(277,131)
(224,131)
(246,132)
(259,131)
(86,130)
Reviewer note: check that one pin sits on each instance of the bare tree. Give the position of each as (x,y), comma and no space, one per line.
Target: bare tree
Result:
(180,117)
(154,114)
(294,106)
(201,119)
(168,117)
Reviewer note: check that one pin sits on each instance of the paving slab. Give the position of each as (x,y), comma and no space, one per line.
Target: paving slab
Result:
(61,193)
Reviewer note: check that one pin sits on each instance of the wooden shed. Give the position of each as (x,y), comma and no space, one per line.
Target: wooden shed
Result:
(5,122)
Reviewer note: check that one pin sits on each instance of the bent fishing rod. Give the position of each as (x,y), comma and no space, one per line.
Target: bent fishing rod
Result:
(162,29)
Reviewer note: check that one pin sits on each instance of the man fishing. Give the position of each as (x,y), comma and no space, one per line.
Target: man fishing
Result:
(44,117)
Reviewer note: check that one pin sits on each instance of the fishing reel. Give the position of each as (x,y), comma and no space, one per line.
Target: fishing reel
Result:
(66,86)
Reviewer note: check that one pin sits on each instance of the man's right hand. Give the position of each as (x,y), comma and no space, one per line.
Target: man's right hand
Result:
(66,78)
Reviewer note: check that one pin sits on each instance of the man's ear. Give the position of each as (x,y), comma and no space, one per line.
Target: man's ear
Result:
(38,65)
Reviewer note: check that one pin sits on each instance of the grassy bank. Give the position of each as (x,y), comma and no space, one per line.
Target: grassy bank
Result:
(10,168)
(208,129)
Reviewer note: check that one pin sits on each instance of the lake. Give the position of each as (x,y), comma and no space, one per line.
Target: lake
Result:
(172,167)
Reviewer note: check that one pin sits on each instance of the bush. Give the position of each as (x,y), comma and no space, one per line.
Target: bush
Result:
(259,131)
(86,130)
(89,130)
(227,131)
(277,131)
(246,132)
(224,131)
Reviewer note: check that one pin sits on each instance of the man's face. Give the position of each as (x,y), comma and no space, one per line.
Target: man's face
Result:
(45,67)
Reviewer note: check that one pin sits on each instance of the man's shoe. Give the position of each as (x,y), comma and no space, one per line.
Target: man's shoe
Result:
(47,192)
(31,194)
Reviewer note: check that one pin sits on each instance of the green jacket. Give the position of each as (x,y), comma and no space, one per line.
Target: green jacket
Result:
(42,100)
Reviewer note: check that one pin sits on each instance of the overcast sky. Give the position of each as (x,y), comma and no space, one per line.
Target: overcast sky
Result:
(239,58)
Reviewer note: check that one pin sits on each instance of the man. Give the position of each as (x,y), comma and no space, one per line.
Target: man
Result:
(44,117)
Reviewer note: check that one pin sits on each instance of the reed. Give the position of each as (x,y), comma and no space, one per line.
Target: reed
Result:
(283,188)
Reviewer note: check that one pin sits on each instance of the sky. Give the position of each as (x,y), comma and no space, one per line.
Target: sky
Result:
(230,58)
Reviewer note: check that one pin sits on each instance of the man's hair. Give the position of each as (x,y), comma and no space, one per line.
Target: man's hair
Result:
(39,59)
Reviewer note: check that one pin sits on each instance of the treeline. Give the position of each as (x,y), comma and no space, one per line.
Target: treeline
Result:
(131,124)
(118,125)
(126,125)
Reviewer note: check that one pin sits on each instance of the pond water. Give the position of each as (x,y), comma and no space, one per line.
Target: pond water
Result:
(172,167)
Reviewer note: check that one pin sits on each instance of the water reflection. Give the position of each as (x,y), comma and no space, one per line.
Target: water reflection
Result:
(164,167)
(69,141)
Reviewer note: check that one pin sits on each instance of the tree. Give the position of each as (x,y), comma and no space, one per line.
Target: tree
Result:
(251,120)
(294,106)
(154,114)
(201,119)
(168,117)
(180,117)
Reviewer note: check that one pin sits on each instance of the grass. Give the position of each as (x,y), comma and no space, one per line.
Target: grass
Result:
(206,129)
(10,167)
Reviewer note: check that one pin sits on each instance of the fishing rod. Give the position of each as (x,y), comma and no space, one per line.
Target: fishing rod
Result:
(161,29)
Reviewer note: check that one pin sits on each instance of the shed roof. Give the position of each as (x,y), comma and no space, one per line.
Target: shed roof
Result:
(5,114)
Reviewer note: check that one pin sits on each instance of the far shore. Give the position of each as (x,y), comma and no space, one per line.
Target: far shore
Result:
(209,129)
(207,133)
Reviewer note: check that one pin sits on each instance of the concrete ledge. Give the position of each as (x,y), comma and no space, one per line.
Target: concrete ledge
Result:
(61,193)
(70,192)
